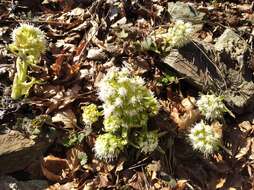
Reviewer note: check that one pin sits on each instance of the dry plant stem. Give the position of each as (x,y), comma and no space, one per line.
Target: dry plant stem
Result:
(34,21)
(226,150)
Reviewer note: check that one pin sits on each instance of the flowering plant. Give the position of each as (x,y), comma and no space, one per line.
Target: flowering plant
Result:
(127,104)
(28,44)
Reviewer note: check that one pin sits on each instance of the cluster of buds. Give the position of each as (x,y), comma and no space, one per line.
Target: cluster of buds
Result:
(127,104)
(90,114)
(28,44)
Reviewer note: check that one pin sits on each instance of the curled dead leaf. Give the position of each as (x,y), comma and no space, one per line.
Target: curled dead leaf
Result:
(185,120)
(54,168)
(153,168)
(181,184)
(67,117)
(67,186)
(189,103)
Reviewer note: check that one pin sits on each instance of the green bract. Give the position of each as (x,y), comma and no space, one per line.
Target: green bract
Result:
(28,44)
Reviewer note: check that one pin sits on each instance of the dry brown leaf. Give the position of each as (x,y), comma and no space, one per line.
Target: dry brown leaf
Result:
(181,184)
(246,127)
(189,103)
(153,168)
(186,120)
(54,168)
(73,158)
(220,183)
(104,182)
(57,66)
(67,186)
(67,117)
(217,127)
(137,181)
(244,149)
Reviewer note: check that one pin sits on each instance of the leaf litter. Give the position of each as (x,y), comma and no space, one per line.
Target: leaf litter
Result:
(85,38)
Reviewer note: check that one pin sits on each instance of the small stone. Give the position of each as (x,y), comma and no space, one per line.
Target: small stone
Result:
(96,54)
(231,42)
(185,12)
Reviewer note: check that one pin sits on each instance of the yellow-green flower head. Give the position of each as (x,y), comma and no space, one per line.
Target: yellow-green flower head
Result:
(127,101)
(211,106)
(90,114)
(148,142)
(28,40)
(204,138)
(108,146)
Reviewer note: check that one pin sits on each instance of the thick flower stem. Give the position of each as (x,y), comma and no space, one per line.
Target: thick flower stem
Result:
(19,79)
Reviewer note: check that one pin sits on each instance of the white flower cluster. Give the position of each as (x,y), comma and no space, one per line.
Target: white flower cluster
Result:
(148,142)
(108,146)
(90,114)
(127,102)
(178,35)
(127,105)
(211,106)
(204,138)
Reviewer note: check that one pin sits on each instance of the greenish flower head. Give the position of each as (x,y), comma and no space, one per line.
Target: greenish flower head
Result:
(127,102)
(211,106)
(28,41)
(90,114)
(28,44)
(148,142)
(204,138)
(108,146)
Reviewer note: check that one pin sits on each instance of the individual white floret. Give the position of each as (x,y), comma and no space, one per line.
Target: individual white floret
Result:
(148,142)
(211,106)
(204,138)
(108,146)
